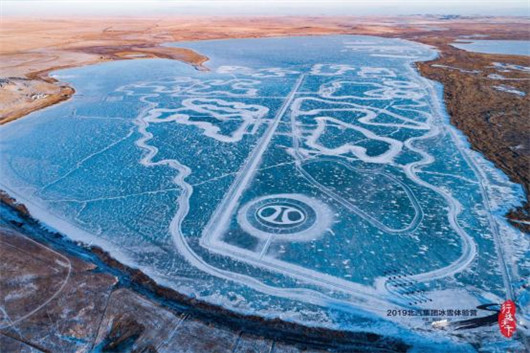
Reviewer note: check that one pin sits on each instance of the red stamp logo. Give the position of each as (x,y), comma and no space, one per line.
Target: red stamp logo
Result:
(507,318)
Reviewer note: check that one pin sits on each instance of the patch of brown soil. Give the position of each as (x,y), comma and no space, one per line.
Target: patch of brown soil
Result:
(21,96)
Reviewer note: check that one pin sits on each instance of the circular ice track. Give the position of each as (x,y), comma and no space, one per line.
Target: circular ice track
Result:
(293,217)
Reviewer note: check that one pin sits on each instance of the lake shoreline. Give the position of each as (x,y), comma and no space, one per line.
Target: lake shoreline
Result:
(461,90)
(125,277)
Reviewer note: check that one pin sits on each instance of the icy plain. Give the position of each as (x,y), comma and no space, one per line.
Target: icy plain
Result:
(488,46)
(315,179)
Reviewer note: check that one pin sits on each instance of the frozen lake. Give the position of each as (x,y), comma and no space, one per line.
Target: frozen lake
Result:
(314,179)
(488,46)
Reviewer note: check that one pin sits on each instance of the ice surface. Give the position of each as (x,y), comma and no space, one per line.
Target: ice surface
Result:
(314,179)
(513,47)
(509,89)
